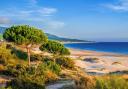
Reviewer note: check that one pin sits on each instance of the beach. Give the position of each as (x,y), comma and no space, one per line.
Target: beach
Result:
(99,62)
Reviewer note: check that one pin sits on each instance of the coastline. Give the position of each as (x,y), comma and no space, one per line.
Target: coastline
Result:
(107,62)
(94,53)
(76,42)
(106,47)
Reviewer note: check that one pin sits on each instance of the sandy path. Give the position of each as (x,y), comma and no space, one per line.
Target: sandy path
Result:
(59,84)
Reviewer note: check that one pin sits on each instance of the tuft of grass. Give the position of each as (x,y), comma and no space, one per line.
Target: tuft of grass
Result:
(92,60)
(116,63)
(102,82)
(111,82)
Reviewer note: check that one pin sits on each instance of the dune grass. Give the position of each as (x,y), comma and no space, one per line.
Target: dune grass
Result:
(103,82)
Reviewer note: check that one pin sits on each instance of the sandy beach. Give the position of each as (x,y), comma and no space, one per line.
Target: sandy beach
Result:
(103,62)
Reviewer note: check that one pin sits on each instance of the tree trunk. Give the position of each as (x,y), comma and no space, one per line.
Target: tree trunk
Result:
(28,52)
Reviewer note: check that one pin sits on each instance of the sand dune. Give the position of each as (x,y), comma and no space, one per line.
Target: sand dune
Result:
(107,62)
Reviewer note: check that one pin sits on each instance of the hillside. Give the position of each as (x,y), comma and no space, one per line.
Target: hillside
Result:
(52,37)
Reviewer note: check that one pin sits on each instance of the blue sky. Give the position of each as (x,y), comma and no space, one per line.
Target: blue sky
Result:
(100,20)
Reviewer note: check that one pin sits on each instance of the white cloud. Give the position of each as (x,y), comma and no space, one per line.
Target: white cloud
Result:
(33,15)
(28,13)
(120,5)
(4,20)
(47,11)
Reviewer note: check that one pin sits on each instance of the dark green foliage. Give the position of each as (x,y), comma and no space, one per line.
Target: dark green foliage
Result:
(14,71)
(36,57)
(23,84)
(47,62)
(24,34)
(55,68)
(20,54)
(65,62)
(46,59)
(55,48)
(37,74)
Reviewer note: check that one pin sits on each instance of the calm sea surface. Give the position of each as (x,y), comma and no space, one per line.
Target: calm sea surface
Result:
(114,47)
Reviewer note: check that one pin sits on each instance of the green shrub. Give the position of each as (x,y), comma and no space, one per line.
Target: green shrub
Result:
(47,62)
(53,67)
(14,71)
(46,59)
(55,48)
(20,54)
(36,57)
(23,84)
(65,62)
(40,74)
(84,82)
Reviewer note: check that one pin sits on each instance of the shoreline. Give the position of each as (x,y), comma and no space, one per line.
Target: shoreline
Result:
(113,51)
(76,42)
(95,53)
(106,62)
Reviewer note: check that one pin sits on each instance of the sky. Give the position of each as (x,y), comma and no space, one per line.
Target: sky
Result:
(96,20)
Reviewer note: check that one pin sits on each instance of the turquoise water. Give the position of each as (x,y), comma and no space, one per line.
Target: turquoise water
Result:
(114,47)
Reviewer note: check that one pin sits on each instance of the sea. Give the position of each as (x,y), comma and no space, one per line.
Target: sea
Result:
(112,47)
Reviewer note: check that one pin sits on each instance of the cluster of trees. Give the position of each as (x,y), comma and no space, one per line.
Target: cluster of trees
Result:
(28,36)
(55,48)
(31,77)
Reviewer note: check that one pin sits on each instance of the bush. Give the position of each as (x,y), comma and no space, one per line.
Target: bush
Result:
(55,48)
(20,54)
(85,82)
(47,62)
(101,82)
(23,84)
(14,71)
(111,82)
(65,62)
(55,68)
(5,55)
(46,59)
(92,60)
(40,74)
(36,57)
(9,46)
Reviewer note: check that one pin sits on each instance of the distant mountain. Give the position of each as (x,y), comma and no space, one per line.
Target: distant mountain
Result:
(52,37)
